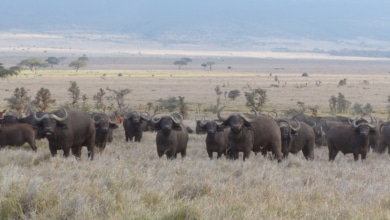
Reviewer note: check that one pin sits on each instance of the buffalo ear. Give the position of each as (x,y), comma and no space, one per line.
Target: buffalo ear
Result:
(247,124)
(372,131)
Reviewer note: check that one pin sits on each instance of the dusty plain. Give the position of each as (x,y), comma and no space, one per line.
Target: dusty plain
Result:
(129,181)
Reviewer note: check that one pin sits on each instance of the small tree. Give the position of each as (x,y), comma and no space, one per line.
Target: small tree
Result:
(301,106)
(256,99)
(339,104)
(77,64)
(99,98)
(52,61)
(204,66)
(210,64)
(20,101)
(171,103)
(43,99)
(180,63)
(119,97)
(233,94)
(358,109)
(74,91)
(183,107)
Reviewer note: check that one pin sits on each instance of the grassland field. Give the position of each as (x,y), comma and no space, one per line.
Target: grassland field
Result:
(128,180)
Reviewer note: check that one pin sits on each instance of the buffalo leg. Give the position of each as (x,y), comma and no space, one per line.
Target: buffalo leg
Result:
(246,154)
(363,156)
(356,156)
(53,151)
(160,153)
(171,155)
(219,154)
(308,153)
(76,151)
(210,153)
(33,145)
(66,151)
(183,153)
(332,153)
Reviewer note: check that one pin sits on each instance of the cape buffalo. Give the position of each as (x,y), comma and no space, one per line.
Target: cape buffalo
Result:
(260,133)
(384,138)
(17,135)
(134,124)
(104,127)
(70,130)
(297,136)
(217,138)
(349,138)
(172,135)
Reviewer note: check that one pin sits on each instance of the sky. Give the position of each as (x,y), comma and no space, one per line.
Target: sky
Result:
(330,19)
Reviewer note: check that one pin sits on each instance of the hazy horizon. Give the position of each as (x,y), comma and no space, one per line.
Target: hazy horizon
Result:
(229,23)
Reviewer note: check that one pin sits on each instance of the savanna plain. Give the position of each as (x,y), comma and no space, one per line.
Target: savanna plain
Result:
(128,180)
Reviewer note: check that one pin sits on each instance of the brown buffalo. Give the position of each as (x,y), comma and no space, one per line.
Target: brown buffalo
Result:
(67,130)
(217,138)
(349,138)
(172,135)
(17,135)
(260,133)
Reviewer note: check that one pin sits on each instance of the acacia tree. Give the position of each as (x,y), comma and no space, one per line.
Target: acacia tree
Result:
(5,73)
(180,63)
(33,64)
(119,97)
(52,61)
(210,64)
(99,98)
(77,64)
(74,91)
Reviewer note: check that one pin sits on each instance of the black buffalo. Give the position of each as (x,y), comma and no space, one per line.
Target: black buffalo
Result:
(260,133)
(104,126)
(217,139)
(349,138)
(67,130)
(297,136)
(172,135)
(17,135)
(134,124)
(384,138)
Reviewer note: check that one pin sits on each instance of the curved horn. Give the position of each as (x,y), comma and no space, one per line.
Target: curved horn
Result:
(299,126)
(219,114)
(282,120)
(249,119)
(40,118)
(59,118)
(374,121)
(155,120)
(145,116)
(175,119)
(202,123)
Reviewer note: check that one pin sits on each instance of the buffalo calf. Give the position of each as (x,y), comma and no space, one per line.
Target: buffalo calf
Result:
(17,135)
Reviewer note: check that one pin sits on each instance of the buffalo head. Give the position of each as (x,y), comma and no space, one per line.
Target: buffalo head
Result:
(210,127)
(167,123)
(136,118)
(287,130)
(236,121)
(363,128)
(104,126)
(50,122)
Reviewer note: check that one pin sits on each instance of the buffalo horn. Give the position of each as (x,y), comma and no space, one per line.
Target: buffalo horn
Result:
(155,120)
(219,114)
(145,116)
(177,118)
(40,118)
(59,118)
(299,126)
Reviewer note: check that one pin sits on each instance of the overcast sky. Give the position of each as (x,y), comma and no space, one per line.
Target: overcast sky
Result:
(309,18)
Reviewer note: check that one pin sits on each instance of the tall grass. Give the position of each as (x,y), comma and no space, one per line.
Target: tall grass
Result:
(129,181)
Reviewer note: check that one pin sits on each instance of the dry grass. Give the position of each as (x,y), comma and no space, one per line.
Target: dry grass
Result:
(129,181)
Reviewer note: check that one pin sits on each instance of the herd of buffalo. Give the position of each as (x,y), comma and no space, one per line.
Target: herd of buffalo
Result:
(229,135)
